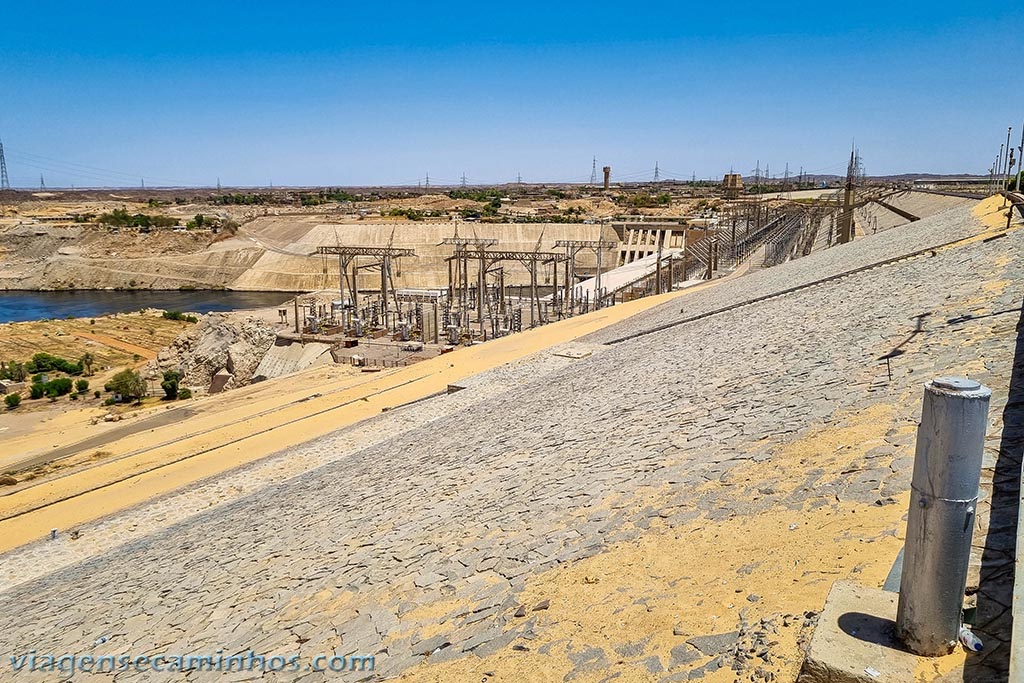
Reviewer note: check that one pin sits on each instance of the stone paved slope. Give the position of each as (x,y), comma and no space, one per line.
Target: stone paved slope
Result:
(425,543)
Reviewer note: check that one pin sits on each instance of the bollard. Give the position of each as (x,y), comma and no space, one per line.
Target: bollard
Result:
(943,500)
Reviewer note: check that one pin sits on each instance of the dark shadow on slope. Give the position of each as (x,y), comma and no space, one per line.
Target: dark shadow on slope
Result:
(993,616)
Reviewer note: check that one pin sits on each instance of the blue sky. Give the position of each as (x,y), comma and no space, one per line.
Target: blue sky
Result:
(385,93)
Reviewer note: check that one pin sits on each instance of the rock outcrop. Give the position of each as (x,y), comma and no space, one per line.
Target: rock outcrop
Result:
(220,343)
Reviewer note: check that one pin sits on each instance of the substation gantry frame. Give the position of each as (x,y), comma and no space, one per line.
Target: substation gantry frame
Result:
(489,262)
(382,258)
(572,250)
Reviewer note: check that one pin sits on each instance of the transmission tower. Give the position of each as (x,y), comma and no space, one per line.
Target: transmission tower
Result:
(657,173)
(519,178)
(5,182)
(42,183)
(463,183)
(427,183)
(593,172)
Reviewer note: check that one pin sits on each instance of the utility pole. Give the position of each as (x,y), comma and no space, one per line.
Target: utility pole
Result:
(1009,150)
(846,220)
(999,165)
(1005,168)
(1020,158)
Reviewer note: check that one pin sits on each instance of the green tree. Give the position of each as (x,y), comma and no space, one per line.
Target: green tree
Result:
(82,385)
(12,401)
(170,384)
(1016,182)
(129,384)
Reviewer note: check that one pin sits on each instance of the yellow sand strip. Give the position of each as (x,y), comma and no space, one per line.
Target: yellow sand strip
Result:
(992,211)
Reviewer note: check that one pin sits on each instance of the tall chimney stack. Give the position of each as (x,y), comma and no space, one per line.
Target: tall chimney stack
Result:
(607,176)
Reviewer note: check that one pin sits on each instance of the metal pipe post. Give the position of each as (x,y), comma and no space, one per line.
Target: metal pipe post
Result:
(943,500)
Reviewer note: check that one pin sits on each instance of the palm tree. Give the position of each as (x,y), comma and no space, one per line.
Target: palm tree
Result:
(87,360)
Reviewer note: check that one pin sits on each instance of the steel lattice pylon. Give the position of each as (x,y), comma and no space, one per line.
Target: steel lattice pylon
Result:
(5,182)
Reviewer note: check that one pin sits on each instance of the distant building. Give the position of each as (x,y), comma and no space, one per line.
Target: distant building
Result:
(8,386)
(732,183)
(640,238)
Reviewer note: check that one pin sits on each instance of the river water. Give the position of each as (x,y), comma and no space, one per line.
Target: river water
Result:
(19,306)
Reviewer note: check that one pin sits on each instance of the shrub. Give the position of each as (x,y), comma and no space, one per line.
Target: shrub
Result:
(12,370)
(122,219)
(184,393)
(43,362)
(12,400)
(57,387)
(96,394)
(82,386)
(37,390)
(109,402)
(178,315)
(170,384)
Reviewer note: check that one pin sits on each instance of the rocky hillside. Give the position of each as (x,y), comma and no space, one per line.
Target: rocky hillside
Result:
(220,352)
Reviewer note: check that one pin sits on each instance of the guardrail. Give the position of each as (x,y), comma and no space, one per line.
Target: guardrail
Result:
(1017,200)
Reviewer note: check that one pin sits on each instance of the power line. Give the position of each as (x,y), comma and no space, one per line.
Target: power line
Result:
(52,165)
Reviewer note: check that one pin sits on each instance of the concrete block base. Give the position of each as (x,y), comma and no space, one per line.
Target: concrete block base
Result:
(854,642)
